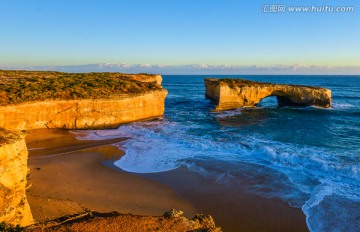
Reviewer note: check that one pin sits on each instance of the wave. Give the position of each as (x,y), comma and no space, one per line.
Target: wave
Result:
(346,97)
(158,146)
(228,113)
(342,106)
(327,210)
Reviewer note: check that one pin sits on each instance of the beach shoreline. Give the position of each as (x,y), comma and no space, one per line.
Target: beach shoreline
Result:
(76,179)
(69,176)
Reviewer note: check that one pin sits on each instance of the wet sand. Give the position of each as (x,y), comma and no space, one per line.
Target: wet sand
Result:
(232,209)
(83,177)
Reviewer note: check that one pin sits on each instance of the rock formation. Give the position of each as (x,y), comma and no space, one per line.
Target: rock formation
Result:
(33,100)
(93,221)
(83,113)
(235,93)
(14,208)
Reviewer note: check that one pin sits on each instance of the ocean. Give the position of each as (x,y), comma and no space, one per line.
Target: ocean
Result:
(307,157)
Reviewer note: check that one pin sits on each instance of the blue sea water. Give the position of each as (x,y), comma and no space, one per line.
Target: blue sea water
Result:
(308,157)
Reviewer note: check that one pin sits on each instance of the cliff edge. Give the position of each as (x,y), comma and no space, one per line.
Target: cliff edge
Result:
(235,93)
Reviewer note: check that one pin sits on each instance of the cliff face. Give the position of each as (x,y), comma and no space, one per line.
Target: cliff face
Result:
(84,113)
(234,93)
(14,208)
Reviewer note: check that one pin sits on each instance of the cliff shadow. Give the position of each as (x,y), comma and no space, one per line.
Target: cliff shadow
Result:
(243,117)
(278,101)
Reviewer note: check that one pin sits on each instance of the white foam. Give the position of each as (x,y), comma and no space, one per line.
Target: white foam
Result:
(330,208)
(228,113)
(342,106)
(161,145)
(156,147)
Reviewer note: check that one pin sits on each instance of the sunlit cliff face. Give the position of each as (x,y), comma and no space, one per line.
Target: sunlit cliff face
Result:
(14,208)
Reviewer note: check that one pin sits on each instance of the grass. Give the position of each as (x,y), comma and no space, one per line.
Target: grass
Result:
(25,86)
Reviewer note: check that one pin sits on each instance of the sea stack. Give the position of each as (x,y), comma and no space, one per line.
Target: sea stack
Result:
(230,94)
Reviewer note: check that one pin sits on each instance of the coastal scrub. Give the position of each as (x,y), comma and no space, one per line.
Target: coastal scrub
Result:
(27,86)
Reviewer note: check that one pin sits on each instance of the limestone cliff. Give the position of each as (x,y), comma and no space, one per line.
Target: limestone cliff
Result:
(83,113)
(33,100)
(234,93)
(14,208)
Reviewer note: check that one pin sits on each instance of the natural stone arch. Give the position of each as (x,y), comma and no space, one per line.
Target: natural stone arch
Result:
(234,93)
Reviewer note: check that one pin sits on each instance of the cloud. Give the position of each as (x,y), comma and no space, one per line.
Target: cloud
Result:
(200,69)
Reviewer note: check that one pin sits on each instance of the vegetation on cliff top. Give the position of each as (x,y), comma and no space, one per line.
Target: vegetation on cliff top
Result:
(234,82)
(24,86)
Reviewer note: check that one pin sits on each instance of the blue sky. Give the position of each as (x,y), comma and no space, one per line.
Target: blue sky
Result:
(178,33)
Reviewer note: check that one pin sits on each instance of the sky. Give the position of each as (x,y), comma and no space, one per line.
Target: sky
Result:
(183,36)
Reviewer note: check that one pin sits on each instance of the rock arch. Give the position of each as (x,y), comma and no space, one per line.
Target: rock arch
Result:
(234,93)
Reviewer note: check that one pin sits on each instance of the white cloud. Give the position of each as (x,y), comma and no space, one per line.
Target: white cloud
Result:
(198,69)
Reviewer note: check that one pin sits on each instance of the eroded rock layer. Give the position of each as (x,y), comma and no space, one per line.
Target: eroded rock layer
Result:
(84,113)
(14,208)
(235,93)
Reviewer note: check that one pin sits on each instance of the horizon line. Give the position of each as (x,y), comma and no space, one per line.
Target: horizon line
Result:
(195,69)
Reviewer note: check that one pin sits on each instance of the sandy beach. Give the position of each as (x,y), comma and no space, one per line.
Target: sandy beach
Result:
(69,176)
(77,179)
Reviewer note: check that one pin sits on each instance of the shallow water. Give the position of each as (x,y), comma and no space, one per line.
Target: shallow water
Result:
(308,157)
